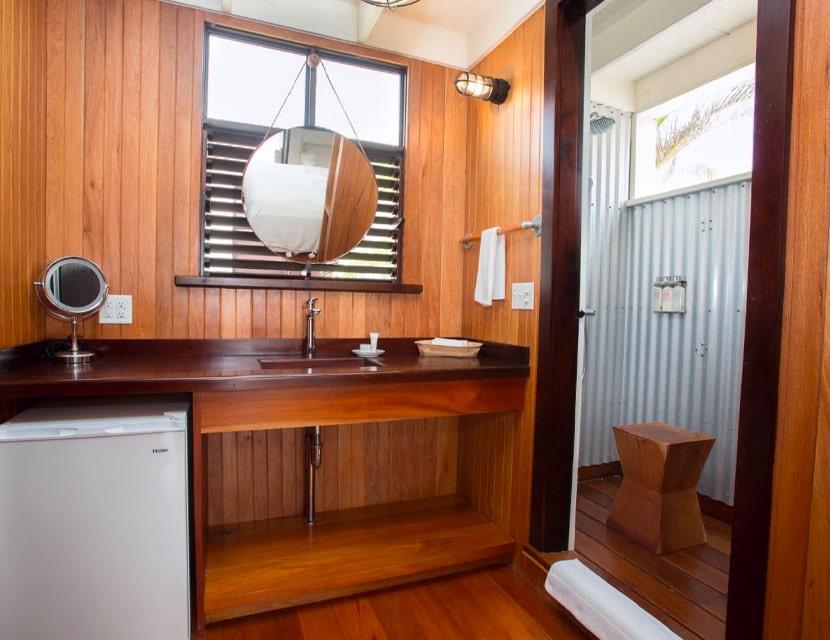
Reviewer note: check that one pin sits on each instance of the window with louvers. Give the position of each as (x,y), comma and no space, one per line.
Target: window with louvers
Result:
(231,248)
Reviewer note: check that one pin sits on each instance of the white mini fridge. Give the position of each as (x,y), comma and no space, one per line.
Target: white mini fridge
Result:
(94,522)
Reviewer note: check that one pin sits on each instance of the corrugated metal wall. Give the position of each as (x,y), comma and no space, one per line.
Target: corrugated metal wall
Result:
(604,262)
(643,366)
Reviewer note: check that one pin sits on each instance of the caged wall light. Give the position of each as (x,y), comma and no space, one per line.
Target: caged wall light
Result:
(475,86)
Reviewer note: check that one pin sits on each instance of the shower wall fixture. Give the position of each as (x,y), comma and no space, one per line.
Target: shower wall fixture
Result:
(600,124)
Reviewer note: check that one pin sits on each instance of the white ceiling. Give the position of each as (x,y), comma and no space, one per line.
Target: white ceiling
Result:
(632,38)
(455,33)
(644,52)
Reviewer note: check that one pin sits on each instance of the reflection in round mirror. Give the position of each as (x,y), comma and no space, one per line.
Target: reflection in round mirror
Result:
(309,194)
(72,288)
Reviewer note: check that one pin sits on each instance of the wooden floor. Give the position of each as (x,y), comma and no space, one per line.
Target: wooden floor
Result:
(487,603)
(685,589)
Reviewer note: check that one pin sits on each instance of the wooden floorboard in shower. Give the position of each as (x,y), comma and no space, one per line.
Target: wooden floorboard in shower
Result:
(685,589)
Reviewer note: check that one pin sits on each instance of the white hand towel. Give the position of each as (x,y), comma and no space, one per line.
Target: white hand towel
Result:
(448,342)
(490,278)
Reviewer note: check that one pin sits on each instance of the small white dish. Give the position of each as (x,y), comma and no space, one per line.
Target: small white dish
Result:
(368,354)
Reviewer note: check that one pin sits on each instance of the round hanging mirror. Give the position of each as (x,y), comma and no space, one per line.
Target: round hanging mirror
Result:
(309,193)
(72,288)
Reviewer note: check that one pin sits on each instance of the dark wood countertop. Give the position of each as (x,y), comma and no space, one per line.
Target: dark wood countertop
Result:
(172,366)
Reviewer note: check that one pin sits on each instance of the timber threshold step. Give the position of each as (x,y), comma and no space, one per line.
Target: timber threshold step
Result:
(274,564)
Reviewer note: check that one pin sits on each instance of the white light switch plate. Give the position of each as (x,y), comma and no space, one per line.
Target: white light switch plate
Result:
(522,297)
(117,310)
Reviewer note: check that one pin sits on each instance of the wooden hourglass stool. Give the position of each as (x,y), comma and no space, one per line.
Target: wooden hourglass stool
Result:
(657,503)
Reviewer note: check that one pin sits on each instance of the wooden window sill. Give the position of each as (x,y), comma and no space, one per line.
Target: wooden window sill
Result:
(358,286)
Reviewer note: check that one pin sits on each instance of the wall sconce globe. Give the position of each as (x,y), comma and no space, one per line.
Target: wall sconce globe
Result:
(390,4)
(472,85)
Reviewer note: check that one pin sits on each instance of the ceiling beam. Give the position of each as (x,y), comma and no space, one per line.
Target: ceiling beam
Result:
(367,19)
(398,33)
(330,18)
(633,29)
(712,61)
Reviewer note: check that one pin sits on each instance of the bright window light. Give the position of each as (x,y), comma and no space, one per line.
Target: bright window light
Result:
(371,97)
(248,83)
(703,135)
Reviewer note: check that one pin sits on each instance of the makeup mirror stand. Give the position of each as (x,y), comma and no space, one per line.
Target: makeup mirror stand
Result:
(72,288)
(75,355)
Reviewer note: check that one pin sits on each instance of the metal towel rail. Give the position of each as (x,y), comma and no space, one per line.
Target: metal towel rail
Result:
(536,225)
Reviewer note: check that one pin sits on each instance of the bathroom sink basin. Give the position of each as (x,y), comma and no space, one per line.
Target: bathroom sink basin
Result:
(299,362)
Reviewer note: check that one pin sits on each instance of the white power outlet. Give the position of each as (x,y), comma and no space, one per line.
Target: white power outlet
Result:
(522,297)
(116,310)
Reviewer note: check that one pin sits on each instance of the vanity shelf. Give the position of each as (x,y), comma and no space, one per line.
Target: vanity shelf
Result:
(274,564)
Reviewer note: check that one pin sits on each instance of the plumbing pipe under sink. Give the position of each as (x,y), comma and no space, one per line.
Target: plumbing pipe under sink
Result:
(314,453)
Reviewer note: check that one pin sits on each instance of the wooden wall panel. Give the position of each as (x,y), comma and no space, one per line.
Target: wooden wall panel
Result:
(262,474)
(124,112)
(22,168)
(124,123)
(799,560)
(504,177)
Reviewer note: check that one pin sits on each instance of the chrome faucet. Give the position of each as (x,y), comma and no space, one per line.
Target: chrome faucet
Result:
(310,314)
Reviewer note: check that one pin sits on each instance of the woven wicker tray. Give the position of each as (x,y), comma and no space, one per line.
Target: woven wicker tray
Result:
(428,349)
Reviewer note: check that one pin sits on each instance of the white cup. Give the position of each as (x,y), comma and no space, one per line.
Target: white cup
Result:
(373,338)
(367,348)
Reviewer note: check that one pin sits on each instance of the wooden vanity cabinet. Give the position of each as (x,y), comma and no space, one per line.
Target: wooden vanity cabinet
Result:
(261,565)
(265,565)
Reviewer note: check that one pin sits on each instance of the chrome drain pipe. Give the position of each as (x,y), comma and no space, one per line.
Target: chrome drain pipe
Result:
(314,453)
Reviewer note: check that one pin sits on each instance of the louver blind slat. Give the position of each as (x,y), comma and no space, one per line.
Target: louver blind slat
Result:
(230,247)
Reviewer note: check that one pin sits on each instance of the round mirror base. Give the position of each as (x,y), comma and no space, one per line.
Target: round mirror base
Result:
(75,357)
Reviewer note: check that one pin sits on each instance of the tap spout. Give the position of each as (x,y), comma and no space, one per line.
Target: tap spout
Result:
(310,340)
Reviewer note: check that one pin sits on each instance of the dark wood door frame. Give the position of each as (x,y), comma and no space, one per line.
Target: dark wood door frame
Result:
(553,454)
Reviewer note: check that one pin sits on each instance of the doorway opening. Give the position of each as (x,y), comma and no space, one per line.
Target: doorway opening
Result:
(554,477)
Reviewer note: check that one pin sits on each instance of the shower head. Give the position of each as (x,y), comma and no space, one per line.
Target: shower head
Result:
(601,124)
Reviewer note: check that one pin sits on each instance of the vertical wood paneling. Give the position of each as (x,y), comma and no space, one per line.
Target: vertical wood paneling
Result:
(168,46)
(816,616)
(503,165)
(186,177)
(92,162)
(454,198)
(797,593)
(122,270)
(262,474)
(112,145)
(23,30)
(144,247)
(124,120)
(72,228)
(56,81)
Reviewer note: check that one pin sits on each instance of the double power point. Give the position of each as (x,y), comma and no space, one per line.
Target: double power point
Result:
(116,310)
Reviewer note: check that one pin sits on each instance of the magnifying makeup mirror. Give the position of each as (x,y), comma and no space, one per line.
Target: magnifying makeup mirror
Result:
(72,288)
